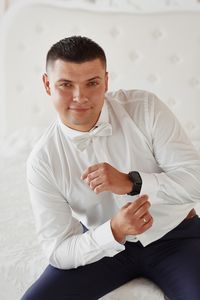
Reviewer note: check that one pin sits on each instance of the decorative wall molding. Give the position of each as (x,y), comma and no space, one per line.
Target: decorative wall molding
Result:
(146,6)
(132,6)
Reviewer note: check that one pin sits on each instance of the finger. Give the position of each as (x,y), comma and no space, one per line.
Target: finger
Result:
(147,222)
(89,170)
(95,183)
(142,199)
(124,207)
(100,188)
(127,205)
(139,202)
(91,176)
(146,217)
(142,210)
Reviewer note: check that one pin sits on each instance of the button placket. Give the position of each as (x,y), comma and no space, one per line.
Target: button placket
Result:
(100,149)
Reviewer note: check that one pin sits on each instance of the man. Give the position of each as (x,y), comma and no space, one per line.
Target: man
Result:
(113,185)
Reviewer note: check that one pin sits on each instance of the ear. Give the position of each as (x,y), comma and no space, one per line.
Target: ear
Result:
(46,83)
(106,82)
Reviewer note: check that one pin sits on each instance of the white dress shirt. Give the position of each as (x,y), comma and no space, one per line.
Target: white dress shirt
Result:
(146,137)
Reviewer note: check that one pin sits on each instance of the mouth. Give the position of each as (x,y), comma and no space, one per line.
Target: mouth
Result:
(79,109)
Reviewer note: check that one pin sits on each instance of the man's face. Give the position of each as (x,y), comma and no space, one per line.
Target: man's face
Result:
(77,91)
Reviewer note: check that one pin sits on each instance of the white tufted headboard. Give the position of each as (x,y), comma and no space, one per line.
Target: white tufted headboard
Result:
(156,51)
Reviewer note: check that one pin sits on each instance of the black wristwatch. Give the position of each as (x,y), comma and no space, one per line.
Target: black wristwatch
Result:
(137,183)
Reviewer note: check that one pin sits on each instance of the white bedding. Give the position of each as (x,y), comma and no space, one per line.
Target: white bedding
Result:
(20,252)
(21,258)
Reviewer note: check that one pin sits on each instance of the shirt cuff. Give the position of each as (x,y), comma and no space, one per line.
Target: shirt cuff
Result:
(105,239)
(150,184)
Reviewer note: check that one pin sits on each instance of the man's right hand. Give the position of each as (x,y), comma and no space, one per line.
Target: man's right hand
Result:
(132,219)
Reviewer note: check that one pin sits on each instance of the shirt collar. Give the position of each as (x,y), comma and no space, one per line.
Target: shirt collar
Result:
(103,118)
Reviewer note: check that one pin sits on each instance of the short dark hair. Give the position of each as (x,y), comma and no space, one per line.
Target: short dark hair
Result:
(77,49)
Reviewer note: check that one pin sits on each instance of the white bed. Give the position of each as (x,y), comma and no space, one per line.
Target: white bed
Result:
(156,51)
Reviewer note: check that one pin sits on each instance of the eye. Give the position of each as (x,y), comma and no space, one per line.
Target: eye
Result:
(92,83)
(66,84)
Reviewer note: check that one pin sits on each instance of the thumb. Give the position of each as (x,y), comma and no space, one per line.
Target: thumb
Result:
(127,205)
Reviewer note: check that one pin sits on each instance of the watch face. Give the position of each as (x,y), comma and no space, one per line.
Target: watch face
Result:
(137,183)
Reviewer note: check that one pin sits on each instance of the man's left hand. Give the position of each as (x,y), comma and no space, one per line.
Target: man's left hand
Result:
(103,177)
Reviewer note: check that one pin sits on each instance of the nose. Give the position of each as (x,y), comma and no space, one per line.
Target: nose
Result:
(78,96)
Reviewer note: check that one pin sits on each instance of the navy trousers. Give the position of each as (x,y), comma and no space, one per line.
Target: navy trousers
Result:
(172,262)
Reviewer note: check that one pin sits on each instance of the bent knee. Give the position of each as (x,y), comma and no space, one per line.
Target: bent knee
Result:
(27,296)
(31,295)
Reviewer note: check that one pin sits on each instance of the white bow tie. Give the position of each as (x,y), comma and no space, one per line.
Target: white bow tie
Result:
(83,140)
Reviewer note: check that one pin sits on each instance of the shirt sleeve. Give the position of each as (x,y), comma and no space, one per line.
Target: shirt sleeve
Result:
(60,234)
(179,180)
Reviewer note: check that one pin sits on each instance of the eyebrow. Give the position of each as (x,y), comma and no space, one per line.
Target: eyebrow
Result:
(93,78)
(70,81)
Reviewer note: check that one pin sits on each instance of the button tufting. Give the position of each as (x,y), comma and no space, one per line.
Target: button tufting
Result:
(35,109)
(37,70)
(158,34)
(175,59)
(134,56)
(190,126)
(39,29)
(153,78)
(171,102)
(75,30)
(19,88)
(21,47)
(195,82)
(112,75)
(114,32)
